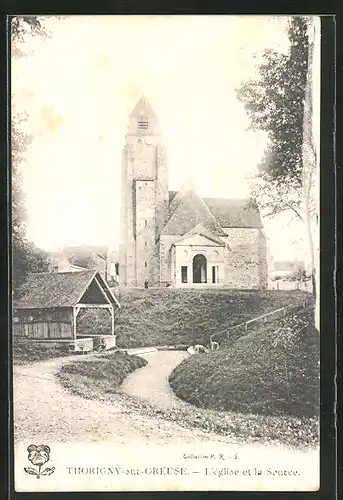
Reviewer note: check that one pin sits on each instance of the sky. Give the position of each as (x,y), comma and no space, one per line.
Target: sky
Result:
(79,85)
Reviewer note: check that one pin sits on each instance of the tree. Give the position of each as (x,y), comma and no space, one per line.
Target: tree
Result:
(275,103)
(26,257)
(309,156)
(82,260)
(21,26)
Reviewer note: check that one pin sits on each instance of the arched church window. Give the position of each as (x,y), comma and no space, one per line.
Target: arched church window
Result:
(143,123)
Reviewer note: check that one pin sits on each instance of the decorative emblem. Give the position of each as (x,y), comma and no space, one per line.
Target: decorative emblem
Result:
(39,455)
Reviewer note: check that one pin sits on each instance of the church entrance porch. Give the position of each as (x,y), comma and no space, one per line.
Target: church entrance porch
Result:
(197,265)
(199,269)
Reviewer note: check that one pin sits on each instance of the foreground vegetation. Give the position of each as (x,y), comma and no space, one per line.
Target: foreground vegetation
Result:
(173,316)
(301,433)
(262,388)
(25,351)
(99,378)
(99,375)
(272,371)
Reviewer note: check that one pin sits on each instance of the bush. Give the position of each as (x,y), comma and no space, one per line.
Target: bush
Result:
(27,351)
(273,370)
(101,374)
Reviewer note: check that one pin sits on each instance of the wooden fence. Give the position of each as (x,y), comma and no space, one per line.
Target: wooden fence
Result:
(236,331)
(305,286)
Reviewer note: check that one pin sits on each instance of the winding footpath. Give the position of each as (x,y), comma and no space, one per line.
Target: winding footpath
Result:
(44,410)
(150,383)
(79,430)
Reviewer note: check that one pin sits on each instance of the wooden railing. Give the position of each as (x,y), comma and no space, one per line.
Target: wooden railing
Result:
(231,332)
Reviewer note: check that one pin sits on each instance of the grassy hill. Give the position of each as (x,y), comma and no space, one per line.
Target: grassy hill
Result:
(174,316)
(274,370)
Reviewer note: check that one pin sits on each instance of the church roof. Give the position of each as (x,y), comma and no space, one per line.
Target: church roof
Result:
(199,229)
(227,212)
(179,195)
(189,211)
(143,106)
(172,195)
(143,120)
(235,212)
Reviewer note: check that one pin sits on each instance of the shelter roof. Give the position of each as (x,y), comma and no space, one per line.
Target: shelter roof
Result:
(54,290)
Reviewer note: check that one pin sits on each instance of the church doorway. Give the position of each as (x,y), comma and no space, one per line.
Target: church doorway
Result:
(199,269)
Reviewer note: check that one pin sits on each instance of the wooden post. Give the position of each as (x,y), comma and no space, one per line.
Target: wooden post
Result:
(112,318)
(74,323)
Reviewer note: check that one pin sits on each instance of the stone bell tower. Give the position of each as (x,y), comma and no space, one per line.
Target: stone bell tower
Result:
(144,203)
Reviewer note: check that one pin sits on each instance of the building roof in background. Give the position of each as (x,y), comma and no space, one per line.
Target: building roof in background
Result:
(86,250)
(53,290)
(288,265)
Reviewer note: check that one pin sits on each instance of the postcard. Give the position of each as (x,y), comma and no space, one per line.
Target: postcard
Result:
(165,236)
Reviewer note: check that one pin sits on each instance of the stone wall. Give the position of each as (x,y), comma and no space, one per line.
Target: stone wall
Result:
(165,270)
(246,258)
(103,342)
(162,193)
(145,229)
(127,249)
(263,248)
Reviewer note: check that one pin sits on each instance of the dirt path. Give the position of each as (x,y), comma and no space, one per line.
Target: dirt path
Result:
(44,410)
(82,431)
(151,382)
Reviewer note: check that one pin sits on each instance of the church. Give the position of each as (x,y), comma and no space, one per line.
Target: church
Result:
(179,239)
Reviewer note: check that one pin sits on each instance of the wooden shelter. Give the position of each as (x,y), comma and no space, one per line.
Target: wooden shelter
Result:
(49,303)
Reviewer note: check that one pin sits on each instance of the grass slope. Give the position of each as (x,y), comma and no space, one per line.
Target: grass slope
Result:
(99,375)
(173,316)
(272,371)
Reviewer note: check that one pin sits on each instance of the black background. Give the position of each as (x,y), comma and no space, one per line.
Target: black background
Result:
(330,193)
